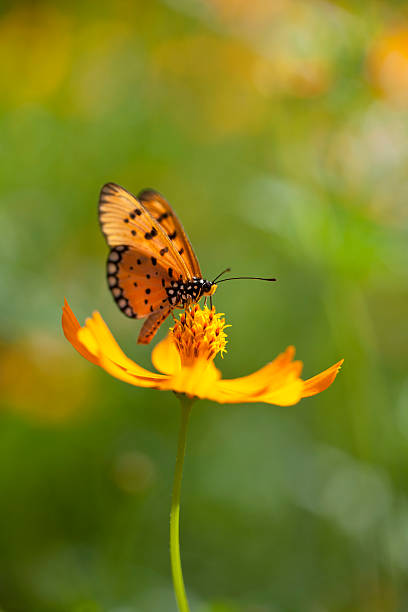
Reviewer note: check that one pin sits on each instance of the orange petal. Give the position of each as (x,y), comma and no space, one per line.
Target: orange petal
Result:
(95,342)
(71,327)
(99,338)
(321,381)
(198,380)
(286,394)
(278,383)
(127,376)
(261,379)
(165,356)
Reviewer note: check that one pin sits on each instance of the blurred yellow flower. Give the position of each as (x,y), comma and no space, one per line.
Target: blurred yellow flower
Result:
(185,359)
(388,65)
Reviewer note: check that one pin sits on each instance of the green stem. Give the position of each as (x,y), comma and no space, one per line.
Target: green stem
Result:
(178,582)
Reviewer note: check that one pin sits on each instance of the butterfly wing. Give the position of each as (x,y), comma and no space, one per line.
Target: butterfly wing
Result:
(143,259)
(126,222)
(138,288)
(161,210)
(137,285)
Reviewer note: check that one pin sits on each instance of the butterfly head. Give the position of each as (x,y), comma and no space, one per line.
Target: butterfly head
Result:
(208,288)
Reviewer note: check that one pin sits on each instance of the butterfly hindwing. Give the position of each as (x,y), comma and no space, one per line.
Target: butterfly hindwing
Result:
(164,214)
(137,284)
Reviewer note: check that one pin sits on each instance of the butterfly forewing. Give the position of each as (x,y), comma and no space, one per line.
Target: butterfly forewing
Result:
(161,210)
(126,222)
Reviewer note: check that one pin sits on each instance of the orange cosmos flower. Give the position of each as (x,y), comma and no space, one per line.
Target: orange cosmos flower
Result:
(185,360)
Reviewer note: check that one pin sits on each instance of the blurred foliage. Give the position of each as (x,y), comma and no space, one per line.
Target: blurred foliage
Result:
(278,130)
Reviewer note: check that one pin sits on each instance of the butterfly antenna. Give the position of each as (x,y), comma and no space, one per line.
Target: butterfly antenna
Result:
(247,278)
(221,273)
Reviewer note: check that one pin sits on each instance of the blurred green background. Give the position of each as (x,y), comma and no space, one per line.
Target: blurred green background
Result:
(279,132)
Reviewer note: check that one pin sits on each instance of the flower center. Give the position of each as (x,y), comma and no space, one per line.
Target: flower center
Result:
(199,334)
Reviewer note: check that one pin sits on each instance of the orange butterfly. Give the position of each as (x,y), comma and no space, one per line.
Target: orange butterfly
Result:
(151,267)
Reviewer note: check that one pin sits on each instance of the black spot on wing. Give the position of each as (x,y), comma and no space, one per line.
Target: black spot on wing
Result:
(163,216)
(151,234)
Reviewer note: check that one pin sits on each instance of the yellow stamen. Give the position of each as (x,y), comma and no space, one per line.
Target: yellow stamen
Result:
(199,334)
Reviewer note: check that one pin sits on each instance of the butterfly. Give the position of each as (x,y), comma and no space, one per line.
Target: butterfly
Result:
(151,267)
